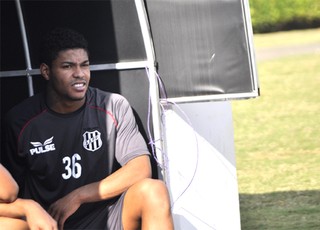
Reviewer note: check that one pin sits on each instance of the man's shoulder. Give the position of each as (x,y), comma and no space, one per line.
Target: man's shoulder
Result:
(28,108)
(101,97)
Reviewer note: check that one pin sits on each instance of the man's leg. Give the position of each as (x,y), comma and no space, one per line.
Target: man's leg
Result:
(147,206)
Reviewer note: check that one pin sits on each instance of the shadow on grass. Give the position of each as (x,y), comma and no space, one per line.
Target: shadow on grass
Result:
(281,210)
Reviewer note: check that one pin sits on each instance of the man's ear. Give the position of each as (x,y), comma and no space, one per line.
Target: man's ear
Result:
(45,71)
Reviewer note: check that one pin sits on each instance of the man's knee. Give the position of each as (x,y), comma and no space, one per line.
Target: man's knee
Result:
(147,203)
(146,195)
(154,192)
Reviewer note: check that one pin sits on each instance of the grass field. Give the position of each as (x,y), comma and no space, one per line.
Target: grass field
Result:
(277,139)
(297,37)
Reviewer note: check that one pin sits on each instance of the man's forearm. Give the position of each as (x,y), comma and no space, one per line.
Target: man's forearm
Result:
(15,209)
(118,182)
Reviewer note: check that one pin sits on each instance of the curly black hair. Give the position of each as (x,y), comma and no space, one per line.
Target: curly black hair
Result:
(60,39)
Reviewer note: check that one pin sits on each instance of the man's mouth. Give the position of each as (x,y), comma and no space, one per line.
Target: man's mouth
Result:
(79,85)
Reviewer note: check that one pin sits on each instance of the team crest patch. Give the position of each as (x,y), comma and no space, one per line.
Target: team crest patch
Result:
(92,140)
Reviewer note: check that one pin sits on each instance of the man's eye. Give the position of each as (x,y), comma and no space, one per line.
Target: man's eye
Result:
(66,66)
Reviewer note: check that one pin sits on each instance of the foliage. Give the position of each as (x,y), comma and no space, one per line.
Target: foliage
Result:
(277,15)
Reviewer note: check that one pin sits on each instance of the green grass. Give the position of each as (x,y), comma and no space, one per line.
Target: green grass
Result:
(296,37)
(281,210)
(277,140)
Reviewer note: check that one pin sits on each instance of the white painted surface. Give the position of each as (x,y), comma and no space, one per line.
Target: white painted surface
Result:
(200,170)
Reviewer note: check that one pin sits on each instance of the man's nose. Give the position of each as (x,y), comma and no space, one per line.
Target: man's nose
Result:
(78,72)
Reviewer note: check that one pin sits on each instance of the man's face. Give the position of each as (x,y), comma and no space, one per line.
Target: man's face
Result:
(69,75)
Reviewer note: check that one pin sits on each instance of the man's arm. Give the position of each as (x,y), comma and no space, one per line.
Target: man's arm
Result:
(9,188)
(36,217)
(12,207)
(135,170)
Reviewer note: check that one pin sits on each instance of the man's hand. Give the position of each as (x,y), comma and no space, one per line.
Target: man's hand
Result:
(63,208)
(37,218)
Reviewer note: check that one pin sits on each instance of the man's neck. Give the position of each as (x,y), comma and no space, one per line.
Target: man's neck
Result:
(63,106)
